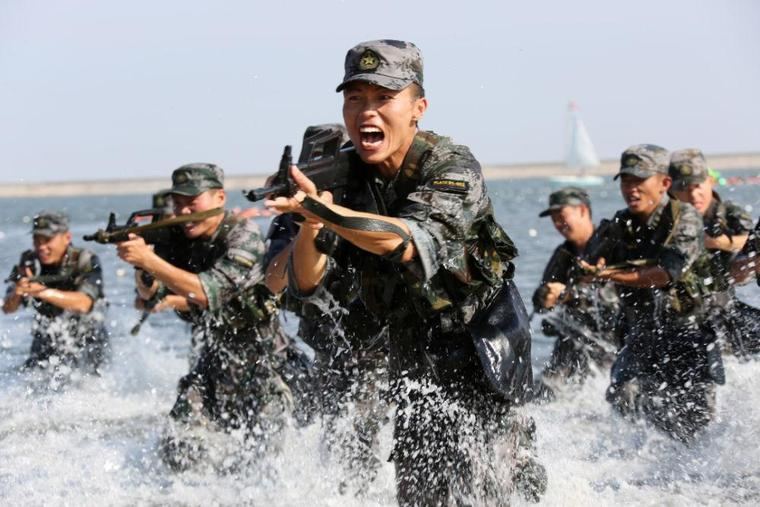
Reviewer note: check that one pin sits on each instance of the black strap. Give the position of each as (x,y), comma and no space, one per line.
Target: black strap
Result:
(357,223)
(360,224)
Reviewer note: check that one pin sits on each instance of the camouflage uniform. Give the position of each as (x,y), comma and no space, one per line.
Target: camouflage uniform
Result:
(584,323)
(349,375)
(448,419)
(73,339)
(751,249)
(666,368)
(236,381)
(737,323)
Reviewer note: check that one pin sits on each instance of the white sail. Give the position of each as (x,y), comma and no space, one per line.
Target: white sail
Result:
(579,151)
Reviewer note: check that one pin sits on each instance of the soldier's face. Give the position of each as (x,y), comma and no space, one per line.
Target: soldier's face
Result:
(571,221)
(382,123)
(642,195)
(699,195)
(51,249)
(185,204)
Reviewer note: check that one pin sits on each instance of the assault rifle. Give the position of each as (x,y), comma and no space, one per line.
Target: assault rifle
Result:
(43,279)
(154,232)
(326,164)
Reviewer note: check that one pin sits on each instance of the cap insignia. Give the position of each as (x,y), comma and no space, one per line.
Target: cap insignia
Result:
(368,61)
(630,161)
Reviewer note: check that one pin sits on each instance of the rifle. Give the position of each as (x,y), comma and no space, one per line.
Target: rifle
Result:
(43,279)
(326,164)
(153,232)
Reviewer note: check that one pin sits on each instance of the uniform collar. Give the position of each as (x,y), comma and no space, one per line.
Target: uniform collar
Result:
(409,174)
(655,217)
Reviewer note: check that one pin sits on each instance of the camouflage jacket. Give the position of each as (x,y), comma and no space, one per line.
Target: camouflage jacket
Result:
(671,238)
(82,272)
(229,265)
(463,255)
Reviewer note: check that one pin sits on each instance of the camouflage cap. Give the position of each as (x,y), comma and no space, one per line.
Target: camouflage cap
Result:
(392,64)
(194,179)
(644,160)
(687,167)
(49,223)
(162,198)
(568,196)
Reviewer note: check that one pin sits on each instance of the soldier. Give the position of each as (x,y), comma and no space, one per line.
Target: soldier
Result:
(746,265)
(349,373)
(419,240)
(726,229)
(665,368)
(583,315)
(64,284)
(215,265)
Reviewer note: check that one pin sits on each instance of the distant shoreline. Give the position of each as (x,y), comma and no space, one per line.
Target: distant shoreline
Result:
(725,162)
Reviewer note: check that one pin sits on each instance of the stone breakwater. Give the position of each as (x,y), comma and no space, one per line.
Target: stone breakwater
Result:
(732,162)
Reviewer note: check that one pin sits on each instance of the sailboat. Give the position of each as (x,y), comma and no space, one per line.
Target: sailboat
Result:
(580,155)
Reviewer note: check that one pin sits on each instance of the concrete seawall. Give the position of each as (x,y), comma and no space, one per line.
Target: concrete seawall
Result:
(725,162)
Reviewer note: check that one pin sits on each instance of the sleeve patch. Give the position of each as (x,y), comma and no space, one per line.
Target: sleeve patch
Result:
(241,257)
(449,185)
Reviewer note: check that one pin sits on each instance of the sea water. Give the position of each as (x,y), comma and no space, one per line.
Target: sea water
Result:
(93,441)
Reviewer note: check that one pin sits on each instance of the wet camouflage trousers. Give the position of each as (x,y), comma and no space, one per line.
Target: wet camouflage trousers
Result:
(67,341)
(738,326)
(352,390)
(577,348)
(236,383)
(665,375)
(459,445)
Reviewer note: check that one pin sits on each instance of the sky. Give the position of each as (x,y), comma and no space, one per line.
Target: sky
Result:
(93,90)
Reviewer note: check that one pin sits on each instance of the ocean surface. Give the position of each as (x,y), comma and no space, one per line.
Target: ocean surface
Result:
(94,441)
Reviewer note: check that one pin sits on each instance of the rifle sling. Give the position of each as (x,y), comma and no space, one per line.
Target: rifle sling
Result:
(356,223)
(179,219)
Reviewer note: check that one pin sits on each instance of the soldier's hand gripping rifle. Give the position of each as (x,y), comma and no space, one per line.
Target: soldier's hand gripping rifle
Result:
(325,164)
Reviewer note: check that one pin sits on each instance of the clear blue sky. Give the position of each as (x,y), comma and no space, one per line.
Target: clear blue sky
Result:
(100,89)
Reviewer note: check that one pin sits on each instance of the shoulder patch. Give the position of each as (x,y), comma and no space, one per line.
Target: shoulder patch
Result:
(450,185)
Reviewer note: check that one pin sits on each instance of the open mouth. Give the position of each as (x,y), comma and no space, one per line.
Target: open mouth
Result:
(371,137)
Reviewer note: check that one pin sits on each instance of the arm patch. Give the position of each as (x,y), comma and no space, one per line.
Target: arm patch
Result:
(450,185)
(241,257)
